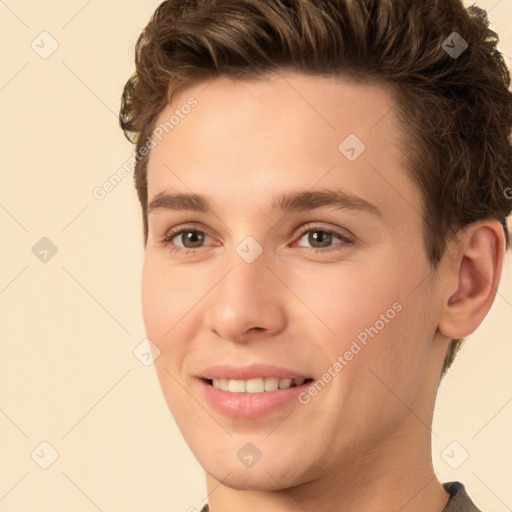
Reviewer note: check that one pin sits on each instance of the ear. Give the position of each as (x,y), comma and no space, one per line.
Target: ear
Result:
(473,271)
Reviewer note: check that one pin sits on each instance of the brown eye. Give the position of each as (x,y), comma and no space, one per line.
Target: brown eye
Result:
(322,238)
(190,239)
(318,238)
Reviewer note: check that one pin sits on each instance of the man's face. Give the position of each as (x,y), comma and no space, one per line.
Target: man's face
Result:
(340,294)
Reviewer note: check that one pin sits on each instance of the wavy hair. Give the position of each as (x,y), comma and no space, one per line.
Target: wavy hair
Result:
(456,113)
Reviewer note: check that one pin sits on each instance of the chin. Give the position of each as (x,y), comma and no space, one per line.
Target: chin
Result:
(249,480)
(268,474)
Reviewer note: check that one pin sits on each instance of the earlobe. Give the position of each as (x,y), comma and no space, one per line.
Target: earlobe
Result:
(473,268)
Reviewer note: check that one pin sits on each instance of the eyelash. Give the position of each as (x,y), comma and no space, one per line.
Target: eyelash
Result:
(167,240)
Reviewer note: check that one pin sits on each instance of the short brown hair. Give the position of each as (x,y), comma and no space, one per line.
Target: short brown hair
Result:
(457,110)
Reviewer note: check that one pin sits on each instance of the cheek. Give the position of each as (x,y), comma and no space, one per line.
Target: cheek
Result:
(153,299)
(167,295)
(163,305)
(349,299)
(170,302)
(372,317)
(164,302)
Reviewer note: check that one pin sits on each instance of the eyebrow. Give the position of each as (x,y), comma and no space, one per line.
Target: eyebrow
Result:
(284,203)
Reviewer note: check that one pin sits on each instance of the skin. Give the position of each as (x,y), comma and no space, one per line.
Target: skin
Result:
(363,443)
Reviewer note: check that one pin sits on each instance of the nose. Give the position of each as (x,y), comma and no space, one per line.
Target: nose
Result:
(249,299)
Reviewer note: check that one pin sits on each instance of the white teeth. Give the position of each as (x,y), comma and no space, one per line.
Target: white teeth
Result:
(236,386)
(271,383)
(285,383)
(257,385)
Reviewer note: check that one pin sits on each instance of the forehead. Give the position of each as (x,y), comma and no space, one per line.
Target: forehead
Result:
(289,131)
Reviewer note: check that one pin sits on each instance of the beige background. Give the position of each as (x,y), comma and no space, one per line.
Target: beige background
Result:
(68,375)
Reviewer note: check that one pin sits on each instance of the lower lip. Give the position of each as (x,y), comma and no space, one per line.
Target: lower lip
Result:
(250,405)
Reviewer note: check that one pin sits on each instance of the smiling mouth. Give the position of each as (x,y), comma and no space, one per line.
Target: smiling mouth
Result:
(256,385)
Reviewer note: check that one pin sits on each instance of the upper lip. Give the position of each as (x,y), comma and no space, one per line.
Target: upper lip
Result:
(227,371)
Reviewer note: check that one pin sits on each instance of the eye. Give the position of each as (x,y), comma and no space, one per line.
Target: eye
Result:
(320,238)
(190,239)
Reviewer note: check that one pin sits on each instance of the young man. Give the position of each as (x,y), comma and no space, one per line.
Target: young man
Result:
(324,194)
